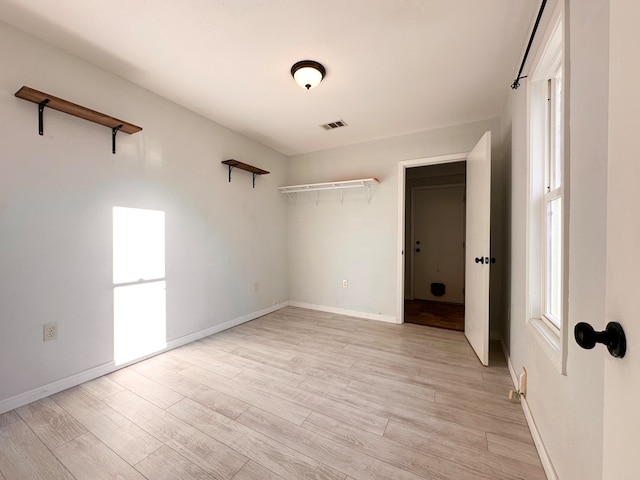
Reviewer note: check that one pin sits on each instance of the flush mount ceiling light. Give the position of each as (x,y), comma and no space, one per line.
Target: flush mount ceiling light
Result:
(307,73)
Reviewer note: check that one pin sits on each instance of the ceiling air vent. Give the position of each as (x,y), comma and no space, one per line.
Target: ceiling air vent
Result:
(333,125)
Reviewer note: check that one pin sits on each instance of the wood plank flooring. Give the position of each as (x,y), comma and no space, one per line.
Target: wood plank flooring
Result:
(435,314)
(292,395)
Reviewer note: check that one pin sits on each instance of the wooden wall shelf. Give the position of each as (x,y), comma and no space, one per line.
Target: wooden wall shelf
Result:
(231,163)
(45,100)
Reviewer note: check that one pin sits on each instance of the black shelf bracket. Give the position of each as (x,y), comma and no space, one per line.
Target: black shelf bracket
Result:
(254,176)
(114,130)
(41,106)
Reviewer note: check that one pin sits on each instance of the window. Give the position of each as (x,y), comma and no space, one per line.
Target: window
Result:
(552,205)
(547,201)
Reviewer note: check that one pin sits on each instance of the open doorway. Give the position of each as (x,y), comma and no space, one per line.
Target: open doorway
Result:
(434,243)
(477,239)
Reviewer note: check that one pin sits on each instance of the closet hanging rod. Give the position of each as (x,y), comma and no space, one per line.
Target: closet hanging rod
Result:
(313,187)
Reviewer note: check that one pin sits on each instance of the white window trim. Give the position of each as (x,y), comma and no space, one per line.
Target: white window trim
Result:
(551,340)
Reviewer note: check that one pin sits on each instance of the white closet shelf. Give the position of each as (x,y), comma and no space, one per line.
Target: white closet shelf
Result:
(316,187)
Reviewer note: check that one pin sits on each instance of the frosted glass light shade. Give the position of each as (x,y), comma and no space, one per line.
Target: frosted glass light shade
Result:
(307,73)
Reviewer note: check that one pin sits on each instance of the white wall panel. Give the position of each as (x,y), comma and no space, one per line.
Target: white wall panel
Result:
(225,242)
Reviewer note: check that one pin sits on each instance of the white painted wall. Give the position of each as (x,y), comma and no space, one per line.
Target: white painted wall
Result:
(225,242)
(568,410)
(356,240)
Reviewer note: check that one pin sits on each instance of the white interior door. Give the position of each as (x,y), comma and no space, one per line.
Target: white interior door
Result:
(478,245)
(438,239)
(622,375)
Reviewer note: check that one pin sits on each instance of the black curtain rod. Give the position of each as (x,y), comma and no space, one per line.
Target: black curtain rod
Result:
(516,82)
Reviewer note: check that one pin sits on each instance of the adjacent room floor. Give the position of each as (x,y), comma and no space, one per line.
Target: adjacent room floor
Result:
(435,314)
(294,394)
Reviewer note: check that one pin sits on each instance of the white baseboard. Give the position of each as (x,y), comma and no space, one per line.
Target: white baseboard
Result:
(342,311)
(223,326)
(547,465)
(55,387)
(95,372)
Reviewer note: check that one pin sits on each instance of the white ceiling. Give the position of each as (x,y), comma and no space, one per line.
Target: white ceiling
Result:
(393,66)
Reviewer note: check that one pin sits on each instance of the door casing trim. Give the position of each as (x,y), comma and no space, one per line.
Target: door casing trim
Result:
(402,167)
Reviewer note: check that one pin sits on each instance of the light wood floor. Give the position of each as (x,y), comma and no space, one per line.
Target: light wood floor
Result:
(293,395)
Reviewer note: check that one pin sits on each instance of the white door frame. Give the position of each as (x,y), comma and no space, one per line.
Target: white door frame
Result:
(402,167)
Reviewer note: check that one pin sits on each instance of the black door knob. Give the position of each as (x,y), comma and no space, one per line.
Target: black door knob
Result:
(613,337)
(417,250)
(480,260)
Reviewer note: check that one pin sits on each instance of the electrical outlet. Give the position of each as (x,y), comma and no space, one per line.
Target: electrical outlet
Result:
(345,284)
(50,331)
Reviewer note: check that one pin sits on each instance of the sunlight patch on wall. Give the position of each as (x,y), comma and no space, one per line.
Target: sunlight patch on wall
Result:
(139,295)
